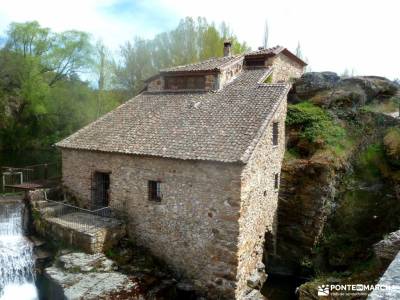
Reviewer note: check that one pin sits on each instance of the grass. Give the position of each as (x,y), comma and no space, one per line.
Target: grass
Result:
(268,79)
(318,131)
(392,145)
(386,106)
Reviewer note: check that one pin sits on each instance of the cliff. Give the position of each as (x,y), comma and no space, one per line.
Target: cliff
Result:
(340,178)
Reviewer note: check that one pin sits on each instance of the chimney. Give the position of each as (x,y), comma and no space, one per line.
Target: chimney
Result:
(227,48)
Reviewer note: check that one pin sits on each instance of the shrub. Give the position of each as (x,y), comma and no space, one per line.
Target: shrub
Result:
(314,124)
(392,145)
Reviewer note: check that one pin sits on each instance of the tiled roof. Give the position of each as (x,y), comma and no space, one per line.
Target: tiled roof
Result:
(275,51)
(212,64)
(219,126)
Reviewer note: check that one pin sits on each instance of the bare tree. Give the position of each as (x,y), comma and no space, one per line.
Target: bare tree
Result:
(299,53)
(266,35)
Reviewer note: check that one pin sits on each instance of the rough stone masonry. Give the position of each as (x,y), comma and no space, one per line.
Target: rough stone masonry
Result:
(216,156)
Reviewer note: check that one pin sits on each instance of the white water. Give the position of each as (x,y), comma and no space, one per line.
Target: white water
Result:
(16,256)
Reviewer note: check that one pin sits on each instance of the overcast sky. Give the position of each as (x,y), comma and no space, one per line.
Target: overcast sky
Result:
(334,35)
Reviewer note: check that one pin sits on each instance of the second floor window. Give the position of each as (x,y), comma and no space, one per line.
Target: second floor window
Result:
(275,133)
(155,191)
(185,83)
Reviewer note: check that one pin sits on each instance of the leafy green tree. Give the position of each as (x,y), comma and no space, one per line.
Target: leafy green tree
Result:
(192,41)
(33,60)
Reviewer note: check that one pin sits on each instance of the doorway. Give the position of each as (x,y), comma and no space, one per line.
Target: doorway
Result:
(101,190)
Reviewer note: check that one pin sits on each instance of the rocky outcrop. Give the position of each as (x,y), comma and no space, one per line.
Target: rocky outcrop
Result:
(84,276)
(329,90)
(307,191)
(387,249)
(312,83)
(312,178)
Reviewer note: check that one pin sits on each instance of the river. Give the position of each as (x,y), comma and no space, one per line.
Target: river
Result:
(16,255)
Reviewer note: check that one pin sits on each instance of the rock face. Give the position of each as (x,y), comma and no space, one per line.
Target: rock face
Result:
(311,181)
(84,276)
(313,82)
(329,90)
(303,208)
(388,248)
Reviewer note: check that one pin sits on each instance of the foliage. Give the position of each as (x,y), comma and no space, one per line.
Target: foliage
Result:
(383,106)
(43,98)
(368,200)
(192,41)
(392,145)
(316,127)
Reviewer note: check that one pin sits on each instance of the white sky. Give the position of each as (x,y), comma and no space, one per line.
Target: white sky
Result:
(334,35)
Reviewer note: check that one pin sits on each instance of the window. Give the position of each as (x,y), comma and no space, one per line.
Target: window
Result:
(255,62)
(275,133)
(276,181)
(155,191)
(185,83)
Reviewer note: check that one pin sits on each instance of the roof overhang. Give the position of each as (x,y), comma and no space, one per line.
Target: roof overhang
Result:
(271,54)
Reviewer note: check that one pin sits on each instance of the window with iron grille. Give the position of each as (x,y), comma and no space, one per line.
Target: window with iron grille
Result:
(275,133)
(155,191)
(276,181)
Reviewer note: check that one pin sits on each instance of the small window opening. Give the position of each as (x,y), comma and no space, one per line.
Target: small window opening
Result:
(276,181)
(155,191)
(275,133)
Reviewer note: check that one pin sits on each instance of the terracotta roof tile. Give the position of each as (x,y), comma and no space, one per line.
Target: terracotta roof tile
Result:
(218,126)
(212,64)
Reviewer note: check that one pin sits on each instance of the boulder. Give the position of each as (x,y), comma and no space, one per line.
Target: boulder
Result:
(388,248)
(330,90)
(84,276)
(361,90)
(313,82)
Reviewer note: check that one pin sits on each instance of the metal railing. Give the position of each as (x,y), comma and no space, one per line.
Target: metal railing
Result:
(44,174)
(82,219)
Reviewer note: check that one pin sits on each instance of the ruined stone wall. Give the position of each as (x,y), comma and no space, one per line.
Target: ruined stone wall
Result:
(259,200)
(194,228)
(284,68)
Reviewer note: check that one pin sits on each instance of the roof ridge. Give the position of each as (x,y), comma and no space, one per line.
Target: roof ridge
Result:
(218,61)
(186,65)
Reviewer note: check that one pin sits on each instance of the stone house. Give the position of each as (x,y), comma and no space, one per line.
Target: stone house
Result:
(194,159)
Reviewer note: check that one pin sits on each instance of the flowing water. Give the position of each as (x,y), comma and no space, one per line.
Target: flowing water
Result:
(16,256)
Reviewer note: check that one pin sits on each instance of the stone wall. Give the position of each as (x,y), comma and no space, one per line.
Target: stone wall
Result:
(284,68)
(259,201)
(155,85)
(211,82)
(194,229)
(229,73)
